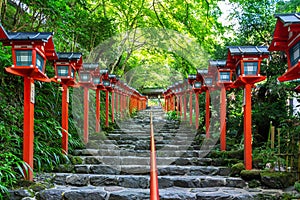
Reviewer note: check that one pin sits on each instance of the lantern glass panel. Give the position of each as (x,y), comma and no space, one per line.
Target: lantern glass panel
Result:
(40,62)
(106,82)
(238,70)
(208,81)
(72,73)
(63,71)
(225,76)
(96,80)
(197,84)
(24,57)
(295,54)
(250,68)
(85,77)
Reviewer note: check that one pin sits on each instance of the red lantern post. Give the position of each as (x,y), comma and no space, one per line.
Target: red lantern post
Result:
(247,60)
(224,81)
(196,82)
(86,81)
(66,67)
(30,50)
(208,86)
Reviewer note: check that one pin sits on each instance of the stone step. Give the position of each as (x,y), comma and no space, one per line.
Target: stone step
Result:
(158,141)
(144,170)
(147,133)
(142,181)
(174,146)
(133,160)
(140,153)
(174,193)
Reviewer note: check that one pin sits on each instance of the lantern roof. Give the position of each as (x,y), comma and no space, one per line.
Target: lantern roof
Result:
(236,52)
(90,66)
(285,24)
(69,56)
(44,37)
(248,50)
(217,63)
(289,18)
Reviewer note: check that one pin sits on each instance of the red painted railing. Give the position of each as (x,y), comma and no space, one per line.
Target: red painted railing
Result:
(154,192)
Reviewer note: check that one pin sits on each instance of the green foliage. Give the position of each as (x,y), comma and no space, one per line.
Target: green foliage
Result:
(297,186)
(172,115)
(133,112)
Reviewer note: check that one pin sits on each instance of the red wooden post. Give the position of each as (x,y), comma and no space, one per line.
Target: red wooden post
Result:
(180,105)
(154,192)
(185,106)
(191,107)
(121,104)
(65,117)
(248,128)
(207,113)
(28,126)
(112,106)
(117,101)
(86,116)
(98,110)
(223,119)
(106,108)
(197,110)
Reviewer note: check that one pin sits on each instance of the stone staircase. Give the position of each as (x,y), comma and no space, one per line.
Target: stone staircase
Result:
(116,167)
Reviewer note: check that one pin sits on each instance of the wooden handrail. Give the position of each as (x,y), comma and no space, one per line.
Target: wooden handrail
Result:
(154,193)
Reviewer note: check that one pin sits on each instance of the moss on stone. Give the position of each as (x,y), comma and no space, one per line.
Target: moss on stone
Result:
(254,183)
(66,168)
(38,187)
(277,180)
(76,160)
(236,169)
(249,175)
(236,154)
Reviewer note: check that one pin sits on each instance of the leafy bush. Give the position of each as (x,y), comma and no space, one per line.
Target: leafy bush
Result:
(297,186)
(172,115)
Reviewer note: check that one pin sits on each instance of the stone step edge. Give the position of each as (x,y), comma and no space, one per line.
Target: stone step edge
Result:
(114,193)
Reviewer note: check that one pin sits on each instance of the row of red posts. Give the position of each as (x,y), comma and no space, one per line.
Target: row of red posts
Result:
(240,69)
(30,51)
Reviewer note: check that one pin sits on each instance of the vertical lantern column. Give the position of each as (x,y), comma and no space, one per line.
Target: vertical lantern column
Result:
(98,108)
(28,136)
(86,115)
(223,119)
(207,113)
(191,106)
(113,106)
(65,117)
(106,108)
(197,110)
(248,128)
(185,106)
